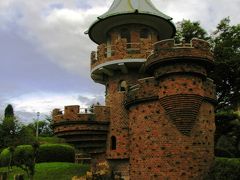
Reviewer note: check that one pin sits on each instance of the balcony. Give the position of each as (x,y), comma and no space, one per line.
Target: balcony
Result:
(121,50)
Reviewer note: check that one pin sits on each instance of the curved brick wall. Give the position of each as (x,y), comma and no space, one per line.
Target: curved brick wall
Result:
(87,131)
(171,116)
(137,48)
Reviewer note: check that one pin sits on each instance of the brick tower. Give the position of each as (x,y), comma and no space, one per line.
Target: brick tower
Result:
(125,35)
(158,122)
(171,115)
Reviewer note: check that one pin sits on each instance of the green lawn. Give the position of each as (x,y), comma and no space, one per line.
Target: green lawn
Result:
(53,171)
(51,140)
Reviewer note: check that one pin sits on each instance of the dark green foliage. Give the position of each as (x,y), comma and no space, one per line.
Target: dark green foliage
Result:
(186,30)
(56,153)
(26,136)
(24,158)
(9,128)
(9,111)
(225,169)
(227,135)
(226,43)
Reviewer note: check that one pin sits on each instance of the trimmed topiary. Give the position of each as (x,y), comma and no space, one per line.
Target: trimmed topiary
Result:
(4,157)
(46,153)
(56,153)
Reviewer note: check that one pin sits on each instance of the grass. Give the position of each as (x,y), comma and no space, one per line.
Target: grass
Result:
(52,171)
(51,140)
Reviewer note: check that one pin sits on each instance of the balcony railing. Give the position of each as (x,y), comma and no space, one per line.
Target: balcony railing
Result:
(121,50)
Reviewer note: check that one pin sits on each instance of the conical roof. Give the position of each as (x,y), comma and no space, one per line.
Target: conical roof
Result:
(129,12)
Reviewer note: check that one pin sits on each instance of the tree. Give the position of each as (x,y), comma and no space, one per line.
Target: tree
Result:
(186,30)
(9,111)
(226,48)
(44,127)
(25,158)
(10,127)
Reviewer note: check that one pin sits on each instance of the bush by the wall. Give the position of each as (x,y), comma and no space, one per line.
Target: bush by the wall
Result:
(56,153)
(4,157)
(47,153)
(225,169)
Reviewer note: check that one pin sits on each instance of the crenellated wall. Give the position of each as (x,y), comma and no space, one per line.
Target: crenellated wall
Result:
(86,130)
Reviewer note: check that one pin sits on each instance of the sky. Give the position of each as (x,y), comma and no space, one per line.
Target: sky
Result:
(45,55)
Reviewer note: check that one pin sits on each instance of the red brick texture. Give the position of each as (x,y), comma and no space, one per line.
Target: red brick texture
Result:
(119,48)
(87,131)
(171,116)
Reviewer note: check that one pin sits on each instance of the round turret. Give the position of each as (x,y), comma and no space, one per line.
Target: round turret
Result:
(124,12)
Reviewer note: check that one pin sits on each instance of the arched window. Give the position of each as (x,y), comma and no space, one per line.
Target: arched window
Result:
(125,34)
(123,86)
(144,33)
(113,143)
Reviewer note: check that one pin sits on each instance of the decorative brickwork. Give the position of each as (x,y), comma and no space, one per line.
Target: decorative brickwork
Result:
(182,110)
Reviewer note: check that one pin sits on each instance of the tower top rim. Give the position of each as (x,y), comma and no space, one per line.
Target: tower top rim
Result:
(124,12)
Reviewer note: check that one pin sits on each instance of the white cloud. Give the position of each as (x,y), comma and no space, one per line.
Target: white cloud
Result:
(45,102)
(59,34)
(209,13)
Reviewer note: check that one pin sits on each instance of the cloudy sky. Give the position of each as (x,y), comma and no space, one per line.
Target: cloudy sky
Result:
(44,54)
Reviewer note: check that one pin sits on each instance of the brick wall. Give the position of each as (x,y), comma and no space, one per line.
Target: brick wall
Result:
(171,116)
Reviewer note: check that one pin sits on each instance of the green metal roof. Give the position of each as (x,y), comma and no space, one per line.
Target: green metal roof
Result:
(131,11)
(131,6)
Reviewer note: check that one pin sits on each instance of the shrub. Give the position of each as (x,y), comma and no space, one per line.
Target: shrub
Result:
(4,157)
(225,168)
(47,153)
(56,153)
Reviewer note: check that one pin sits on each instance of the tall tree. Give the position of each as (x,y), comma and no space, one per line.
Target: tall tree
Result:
(10,127)
(226,48)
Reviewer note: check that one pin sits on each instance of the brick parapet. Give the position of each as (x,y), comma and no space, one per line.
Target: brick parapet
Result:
(166,51)
(71,113)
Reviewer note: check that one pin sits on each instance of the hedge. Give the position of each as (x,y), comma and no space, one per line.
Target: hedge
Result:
(47,153)
(225,168)
(56,153)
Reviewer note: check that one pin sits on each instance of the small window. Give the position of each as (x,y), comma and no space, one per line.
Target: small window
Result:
(144,33)
(125,34)
(123,86)
(113,143)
